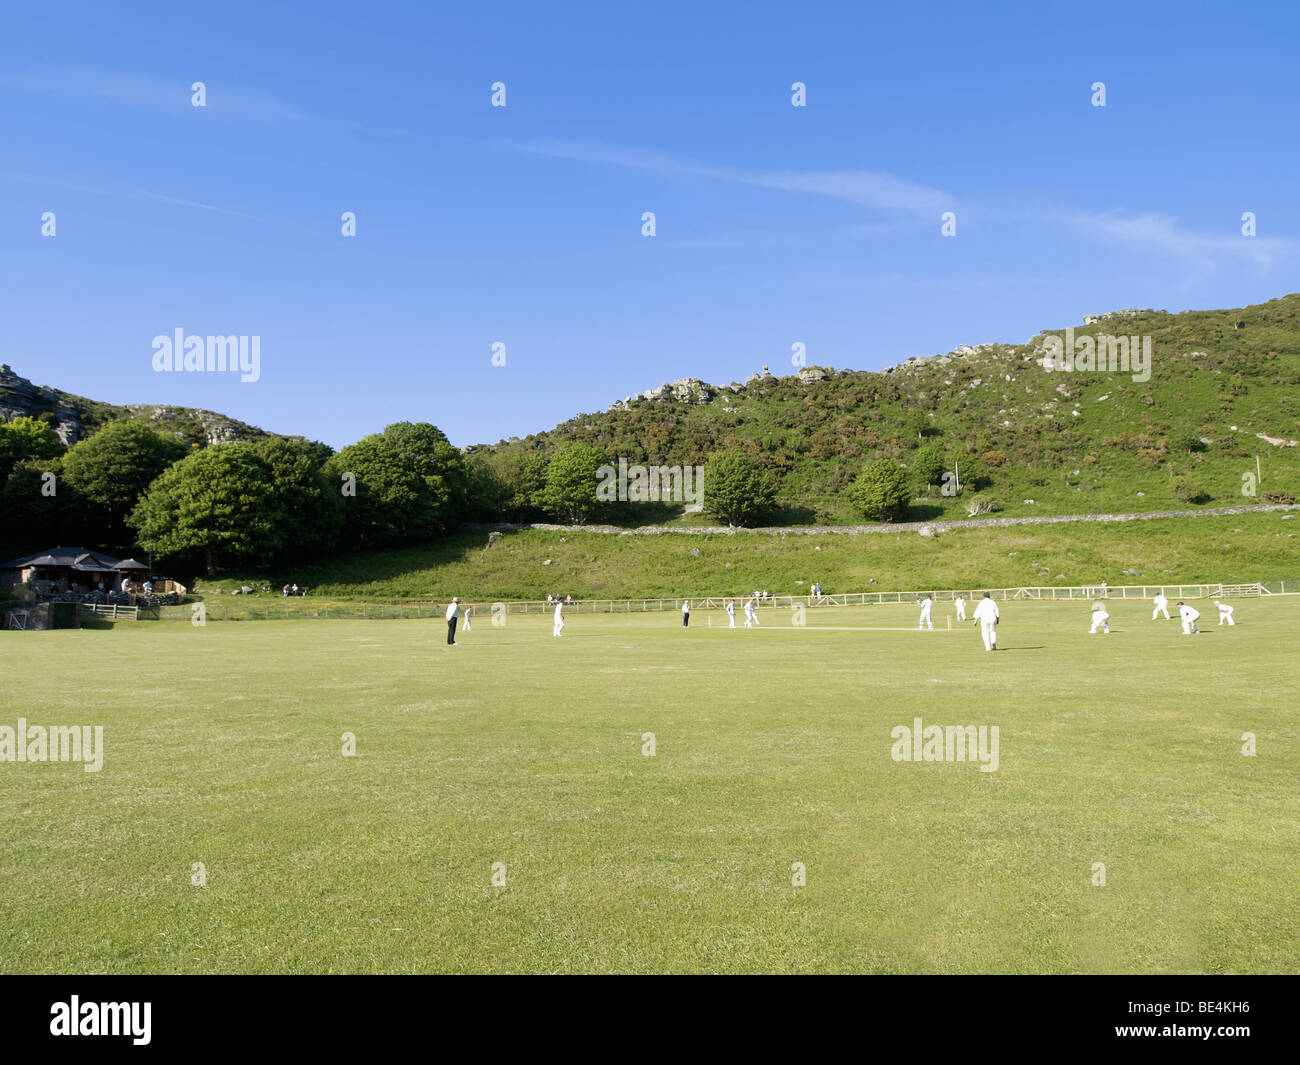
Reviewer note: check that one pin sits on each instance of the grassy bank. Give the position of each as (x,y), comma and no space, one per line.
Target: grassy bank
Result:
(532,564)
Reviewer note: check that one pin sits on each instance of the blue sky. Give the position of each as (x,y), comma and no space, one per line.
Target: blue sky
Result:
(522,224)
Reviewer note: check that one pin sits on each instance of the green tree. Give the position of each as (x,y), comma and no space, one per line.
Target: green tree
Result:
(881,490)
(528,482)
(39,511)
(737,489)
(488,492)
(23,439)
(506,486)
(385,504)
(112,469)
(437,463)
(319,453)
(220,502)
(571,479)
(409,484)
(927,464)
(311,505)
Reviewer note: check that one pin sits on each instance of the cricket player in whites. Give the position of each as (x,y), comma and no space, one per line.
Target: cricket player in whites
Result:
(960,604)
(925,605)
(750,619)
(1100,619)
(559,618)
(1225,612)
(1188,617)
(986,617)
(1162,607)
(731,613)
(453,612)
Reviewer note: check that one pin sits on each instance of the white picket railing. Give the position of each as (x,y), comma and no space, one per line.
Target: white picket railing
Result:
(112,610)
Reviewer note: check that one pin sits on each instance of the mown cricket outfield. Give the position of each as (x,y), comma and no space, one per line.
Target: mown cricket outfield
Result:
(638,797)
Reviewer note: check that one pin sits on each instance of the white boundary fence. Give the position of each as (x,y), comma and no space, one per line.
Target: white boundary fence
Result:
(1090,592)
(273,608)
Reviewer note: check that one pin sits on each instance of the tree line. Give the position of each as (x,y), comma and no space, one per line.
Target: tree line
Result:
(271,501)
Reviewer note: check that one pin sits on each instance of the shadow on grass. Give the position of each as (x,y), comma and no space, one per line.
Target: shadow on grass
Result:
(790,514)
(630,515)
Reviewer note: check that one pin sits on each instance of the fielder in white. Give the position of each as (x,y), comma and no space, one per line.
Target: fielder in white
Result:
(731,613)
(1225,612)
(986,617)
(925,605)
(1188,617)
(750,619)
(1162,607)
(960,604)
(559,618)
(1100,619)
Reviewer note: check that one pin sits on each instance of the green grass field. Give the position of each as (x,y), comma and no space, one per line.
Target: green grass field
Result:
(223,746)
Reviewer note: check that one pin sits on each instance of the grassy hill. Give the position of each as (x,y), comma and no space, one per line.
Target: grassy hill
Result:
(1223,394)
(1047,442)
(534,563)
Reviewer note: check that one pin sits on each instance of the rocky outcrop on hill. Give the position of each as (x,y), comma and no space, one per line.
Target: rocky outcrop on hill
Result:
(683,390)
(192,422)
(693,391)
(1127,312)
(959,353)
(19,398)
(74,417)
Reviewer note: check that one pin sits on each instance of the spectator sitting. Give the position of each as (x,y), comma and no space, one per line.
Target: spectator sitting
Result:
(285,591)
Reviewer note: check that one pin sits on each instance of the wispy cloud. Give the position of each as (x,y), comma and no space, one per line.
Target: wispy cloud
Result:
(1162,235)
(224,101)
(150,196)
(861,187)
(1151,233)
